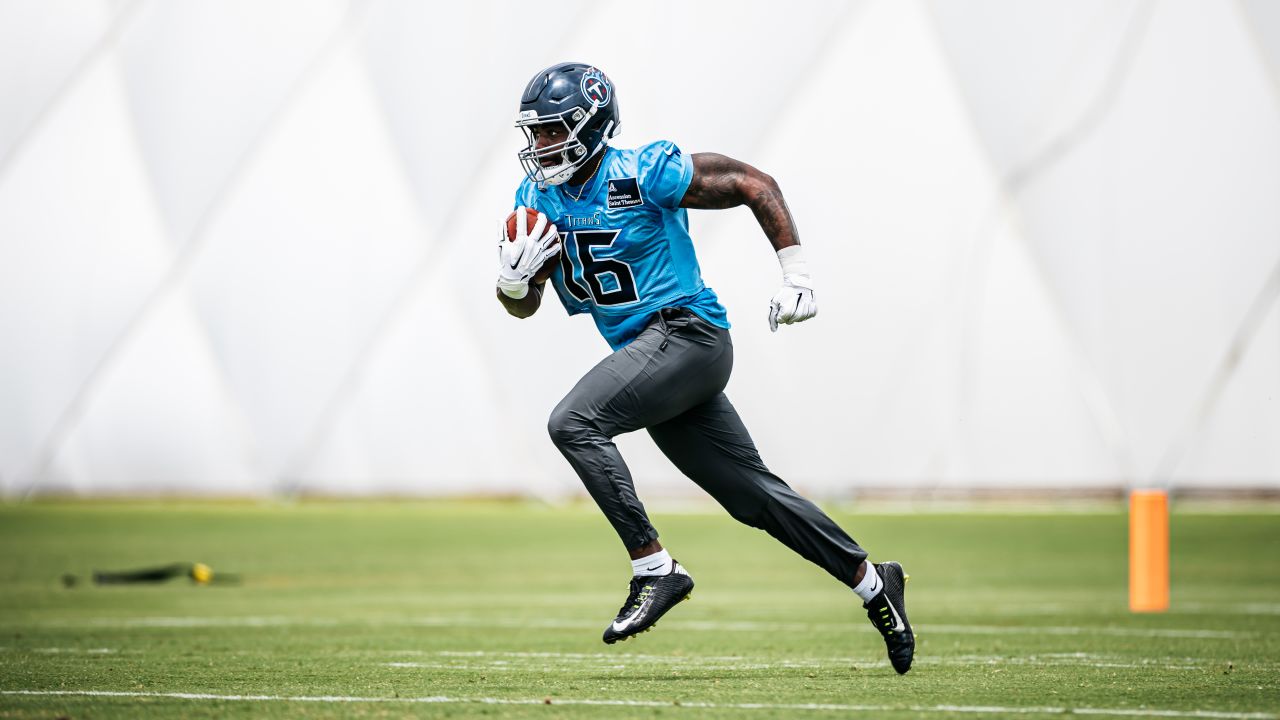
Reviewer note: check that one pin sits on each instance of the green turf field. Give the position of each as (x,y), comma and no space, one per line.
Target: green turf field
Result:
(471,609)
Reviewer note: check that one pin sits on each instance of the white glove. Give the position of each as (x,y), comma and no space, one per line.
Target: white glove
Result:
(793,303)
(520,259)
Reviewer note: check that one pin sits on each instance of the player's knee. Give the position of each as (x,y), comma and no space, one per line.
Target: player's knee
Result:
(750,508)
(751,517)
(566,425)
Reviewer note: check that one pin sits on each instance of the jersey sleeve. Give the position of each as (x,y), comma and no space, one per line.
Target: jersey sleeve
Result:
(665,173)
(526,195)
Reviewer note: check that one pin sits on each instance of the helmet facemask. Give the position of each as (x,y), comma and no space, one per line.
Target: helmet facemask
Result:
(571,152)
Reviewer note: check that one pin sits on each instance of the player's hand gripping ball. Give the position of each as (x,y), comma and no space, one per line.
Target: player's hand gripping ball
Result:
(513,230)
(550,233)
(541,243)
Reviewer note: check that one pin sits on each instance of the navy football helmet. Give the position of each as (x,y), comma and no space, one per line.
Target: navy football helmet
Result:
(577,97)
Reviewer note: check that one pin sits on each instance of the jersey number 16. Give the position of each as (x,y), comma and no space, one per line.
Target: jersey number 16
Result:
(608,281)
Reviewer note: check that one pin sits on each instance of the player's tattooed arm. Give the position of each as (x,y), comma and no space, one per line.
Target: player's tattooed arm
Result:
(721,182)
(525,306)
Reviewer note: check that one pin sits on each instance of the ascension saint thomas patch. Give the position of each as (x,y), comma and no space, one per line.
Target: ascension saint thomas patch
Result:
(624,193)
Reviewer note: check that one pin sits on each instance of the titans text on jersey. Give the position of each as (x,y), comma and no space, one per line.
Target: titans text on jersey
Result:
(626,248)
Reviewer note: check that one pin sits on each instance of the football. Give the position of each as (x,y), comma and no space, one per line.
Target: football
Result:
(545,271)
(511,222)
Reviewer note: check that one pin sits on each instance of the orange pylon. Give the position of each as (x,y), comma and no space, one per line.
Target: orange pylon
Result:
(1148,551)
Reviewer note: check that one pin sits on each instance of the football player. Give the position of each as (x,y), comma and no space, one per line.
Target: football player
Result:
(614,223)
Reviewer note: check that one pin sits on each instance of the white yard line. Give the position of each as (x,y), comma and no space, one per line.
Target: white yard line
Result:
(59,650)
(573,662)
(1248,608)
(693,625)
(829,707)
(1078,630)
(196,621)
(753,626)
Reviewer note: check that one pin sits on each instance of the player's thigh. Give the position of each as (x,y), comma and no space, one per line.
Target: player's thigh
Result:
(669,368)
(710,444)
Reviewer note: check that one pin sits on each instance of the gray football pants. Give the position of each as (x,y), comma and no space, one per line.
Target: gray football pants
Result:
(670,381)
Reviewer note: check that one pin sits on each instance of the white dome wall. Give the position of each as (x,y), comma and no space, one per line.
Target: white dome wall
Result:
(246,247)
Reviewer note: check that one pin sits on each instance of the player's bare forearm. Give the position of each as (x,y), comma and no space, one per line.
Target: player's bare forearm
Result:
(525,306)
(721,182)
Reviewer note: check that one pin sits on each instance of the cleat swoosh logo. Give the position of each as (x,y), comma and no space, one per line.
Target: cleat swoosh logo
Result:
(899,626)
(634,617)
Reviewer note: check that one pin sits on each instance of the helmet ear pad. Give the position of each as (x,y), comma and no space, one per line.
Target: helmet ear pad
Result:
(580,97)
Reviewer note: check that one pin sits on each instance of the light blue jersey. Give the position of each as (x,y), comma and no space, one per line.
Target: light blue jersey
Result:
(626,249)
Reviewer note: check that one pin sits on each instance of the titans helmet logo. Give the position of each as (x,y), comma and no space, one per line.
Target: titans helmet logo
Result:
(595,87)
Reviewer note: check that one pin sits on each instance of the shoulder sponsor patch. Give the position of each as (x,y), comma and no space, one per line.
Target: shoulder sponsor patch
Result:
(624,193)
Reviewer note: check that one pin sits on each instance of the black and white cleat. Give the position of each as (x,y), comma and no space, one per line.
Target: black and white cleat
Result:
(648,599)
(888,613)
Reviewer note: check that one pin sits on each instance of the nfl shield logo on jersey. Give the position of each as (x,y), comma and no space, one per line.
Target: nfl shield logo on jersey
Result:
(595,87)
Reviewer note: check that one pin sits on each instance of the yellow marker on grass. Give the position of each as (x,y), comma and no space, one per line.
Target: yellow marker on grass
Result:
(201,573)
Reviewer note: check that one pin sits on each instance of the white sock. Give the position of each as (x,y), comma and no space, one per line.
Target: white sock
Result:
(659,563)
(870,585)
